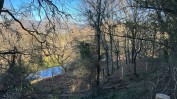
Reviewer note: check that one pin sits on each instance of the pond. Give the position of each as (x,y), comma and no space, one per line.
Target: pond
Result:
(49,72)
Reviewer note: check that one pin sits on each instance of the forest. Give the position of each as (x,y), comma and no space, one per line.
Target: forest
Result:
(88,49)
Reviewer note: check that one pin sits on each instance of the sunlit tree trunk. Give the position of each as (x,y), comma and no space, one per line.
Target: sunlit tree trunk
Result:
(105,46)
(125,50)
(154,40)
(111,50)
(128,52)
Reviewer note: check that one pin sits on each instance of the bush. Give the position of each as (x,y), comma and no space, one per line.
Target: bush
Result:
(84,69)
(14,82)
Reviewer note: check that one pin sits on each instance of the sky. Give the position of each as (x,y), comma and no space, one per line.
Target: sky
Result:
(69,6)
(14,3)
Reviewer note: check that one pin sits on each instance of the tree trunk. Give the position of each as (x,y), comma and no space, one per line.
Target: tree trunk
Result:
(117,58)
(165,51)
(111,43)
(105,46)
(107,63)
(134,60)
(128,53)
(117,54)
(125,51)
(12,62)
(153,45)
(133,50)
(1,5)
(98,34)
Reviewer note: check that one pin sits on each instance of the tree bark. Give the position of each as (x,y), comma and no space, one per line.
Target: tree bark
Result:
(1,5)
(98,34)
(111,40)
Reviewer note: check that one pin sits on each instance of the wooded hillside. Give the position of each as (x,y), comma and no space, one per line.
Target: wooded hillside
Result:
(108,49)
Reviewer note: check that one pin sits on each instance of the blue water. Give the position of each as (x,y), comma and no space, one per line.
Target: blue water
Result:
(46,73)
(50,72)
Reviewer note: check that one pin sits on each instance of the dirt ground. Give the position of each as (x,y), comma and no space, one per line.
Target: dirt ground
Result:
(67,85)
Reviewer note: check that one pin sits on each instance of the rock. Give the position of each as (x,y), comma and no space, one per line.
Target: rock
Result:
(161,96)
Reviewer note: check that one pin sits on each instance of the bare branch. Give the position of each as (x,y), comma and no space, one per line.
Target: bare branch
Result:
(22,26)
